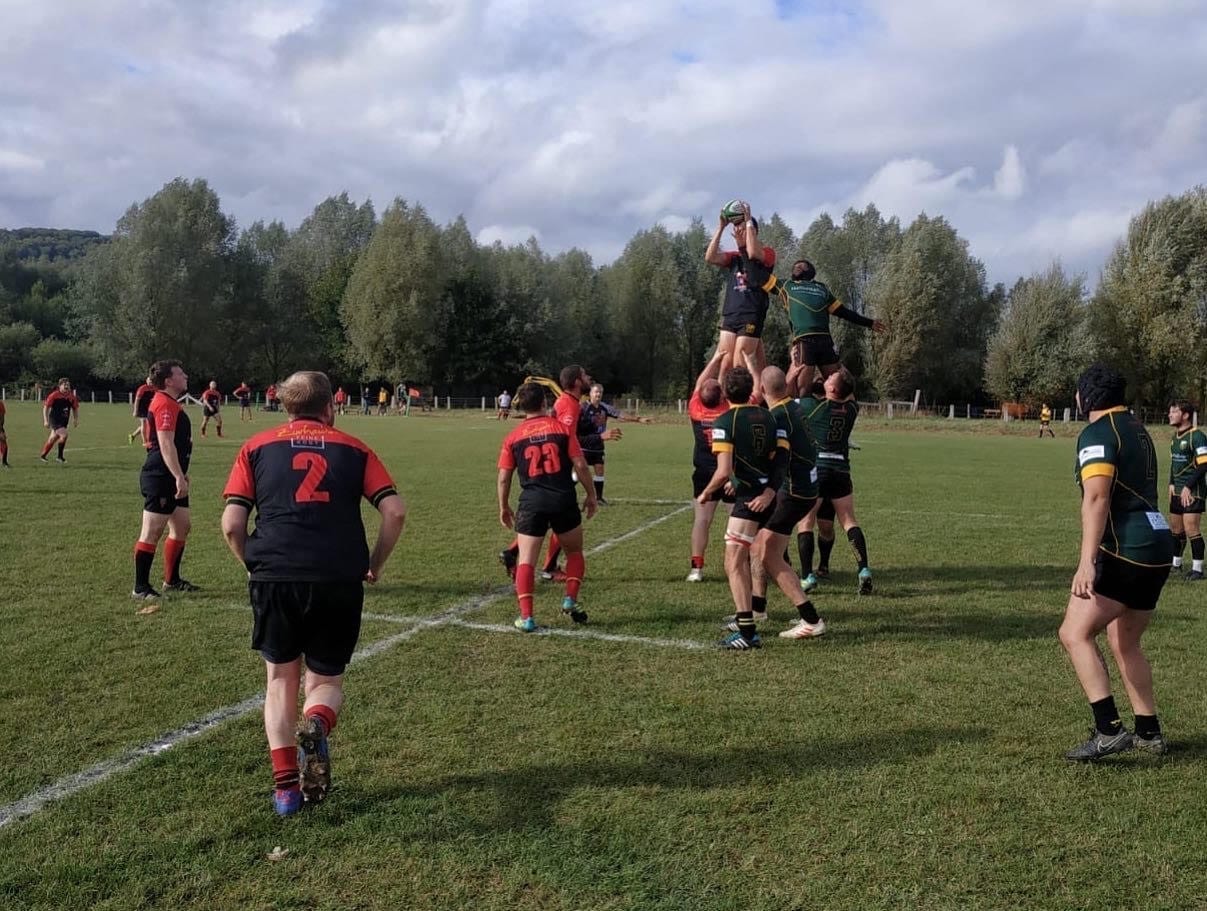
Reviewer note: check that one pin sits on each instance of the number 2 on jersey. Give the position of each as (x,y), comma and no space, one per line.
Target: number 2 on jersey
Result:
(315,467)
(544,459)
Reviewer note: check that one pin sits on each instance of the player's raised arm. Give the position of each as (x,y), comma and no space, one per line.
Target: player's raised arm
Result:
(713,255)
(754,249)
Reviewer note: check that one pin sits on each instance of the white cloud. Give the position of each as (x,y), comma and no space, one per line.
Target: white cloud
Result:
(1010,179)
(507,235)
(1030,126)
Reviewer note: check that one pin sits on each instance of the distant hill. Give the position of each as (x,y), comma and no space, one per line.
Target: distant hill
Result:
(47,245)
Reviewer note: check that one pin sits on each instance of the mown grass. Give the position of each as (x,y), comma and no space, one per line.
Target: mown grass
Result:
(909,759)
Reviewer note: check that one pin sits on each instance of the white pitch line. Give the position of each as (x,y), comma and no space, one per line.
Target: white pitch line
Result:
(102,771)
(577,633)
(640,502)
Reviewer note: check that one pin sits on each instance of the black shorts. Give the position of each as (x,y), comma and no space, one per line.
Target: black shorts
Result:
(54,428)
(1177,509)
(700,479)
(142,416)
(834,485)
(1134,586)
(788,513)
(594,458)
(537,520)
(209,411)
(747,322)
(741,510)
(159,494)
(814,351)
(318,620)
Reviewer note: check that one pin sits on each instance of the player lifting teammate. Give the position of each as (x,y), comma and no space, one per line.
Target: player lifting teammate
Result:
(705,406)
(793,501)
(744,311)
(60,407)
(746,442)
(211,407)
(830,421)
(1187,470)
(307,561)
(544,450)
(1126,553)
(164,483)
(810,304)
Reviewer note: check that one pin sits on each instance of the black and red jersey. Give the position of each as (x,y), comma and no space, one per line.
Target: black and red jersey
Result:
(212,398)
(142,399)
(61,405)
(702,418)
(306,480)
(542,450)
(166,415)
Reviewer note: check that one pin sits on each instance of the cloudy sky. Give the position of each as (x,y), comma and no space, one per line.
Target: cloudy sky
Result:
(1036,126)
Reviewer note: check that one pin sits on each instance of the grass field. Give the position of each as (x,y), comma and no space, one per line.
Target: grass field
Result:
(910,759)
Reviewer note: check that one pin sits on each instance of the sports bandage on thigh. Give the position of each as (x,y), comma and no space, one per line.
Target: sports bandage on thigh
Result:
(737,539)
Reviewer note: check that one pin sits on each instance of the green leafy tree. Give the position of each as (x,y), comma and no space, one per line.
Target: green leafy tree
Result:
(1043,340)
(932,292)
(17,342)
(157,289)
(52,358)
(1150,310)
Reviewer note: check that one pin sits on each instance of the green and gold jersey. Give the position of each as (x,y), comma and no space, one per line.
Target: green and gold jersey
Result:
(749,432)
(792,424)
(831,424)
(1188,451)
(809,305)
(1117,446)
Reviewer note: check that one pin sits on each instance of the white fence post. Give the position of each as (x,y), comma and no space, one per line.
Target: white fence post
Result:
(1068,415)
(679,402)
(637,410)
(94,398)
(889,411)
(917,401)
(483,403)
(951,412)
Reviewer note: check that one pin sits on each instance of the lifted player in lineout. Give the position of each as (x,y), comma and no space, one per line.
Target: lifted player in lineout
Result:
(744,311)
(810,304)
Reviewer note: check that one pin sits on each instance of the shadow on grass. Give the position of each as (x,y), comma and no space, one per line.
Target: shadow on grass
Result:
(527,797)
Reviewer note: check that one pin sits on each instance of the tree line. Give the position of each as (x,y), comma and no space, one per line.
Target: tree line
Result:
(381,298)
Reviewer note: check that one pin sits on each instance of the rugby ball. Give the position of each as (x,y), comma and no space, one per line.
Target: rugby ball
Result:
(732,210)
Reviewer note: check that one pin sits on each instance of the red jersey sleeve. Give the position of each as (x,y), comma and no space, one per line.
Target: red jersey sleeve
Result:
(506,457)
(378,483)
(769,257)
(241,485)
(165,416)
(50,399)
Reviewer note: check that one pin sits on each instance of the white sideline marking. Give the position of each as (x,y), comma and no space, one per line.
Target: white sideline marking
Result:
(577,633)
(640,502)
(102,771)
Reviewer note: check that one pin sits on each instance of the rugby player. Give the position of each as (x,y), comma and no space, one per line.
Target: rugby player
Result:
(544,450)
(383,401)
(1187,470)
(341,401)
(830,422)
(243,394)
(3,438)
(164,483)
(745,308)
(1045,421)
(142,401)
(573,383)
(504,401)
(1126,554)
(810,304)
(60,406)
(706,404)
(746,443)
(793,501)
(593,432)
(211,407)
(270,398)
(307,562)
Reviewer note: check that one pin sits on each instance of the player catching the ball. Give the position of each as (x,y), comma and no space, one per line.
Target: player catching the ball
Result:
(750,278)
